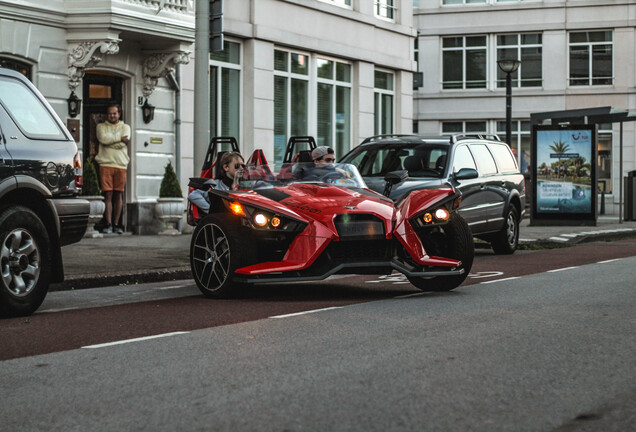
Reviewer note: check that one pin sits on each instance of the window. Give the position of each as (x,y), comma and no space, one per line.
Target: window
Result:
(28,111)
(524,47)
(333,104)
(484,159)
(291,98)
(225,91)
(459,2)
(591,58)
(385,9)
(464,62)
(16,65)
(504,158)
(383,103)
(463,159)
(521,141)
(339,2)
(467,127)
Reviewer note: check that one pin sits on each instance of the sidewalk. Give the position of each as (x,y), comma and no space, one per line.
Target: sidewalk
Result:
(129,259)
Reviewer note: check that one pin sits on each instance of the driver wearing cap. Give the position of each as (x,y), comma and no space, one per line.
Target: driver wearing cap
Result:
(323,159)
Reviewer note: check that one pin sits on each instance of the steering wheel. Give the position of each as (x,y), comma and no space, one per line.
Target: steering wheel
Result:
(331,177)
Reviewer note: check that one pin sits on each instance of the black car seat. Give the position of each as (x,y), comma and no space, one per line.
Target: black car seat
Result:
(440,164)
(413,164)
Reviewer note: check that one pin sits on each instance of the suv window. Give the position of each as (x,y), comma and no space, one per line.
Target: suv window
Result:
(503,156)
(27,110)
(484,159)
(423,160)
(463,159)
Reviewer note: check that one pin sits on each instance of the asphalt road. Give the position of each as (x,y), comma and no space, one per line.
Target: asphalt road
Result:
(539,340)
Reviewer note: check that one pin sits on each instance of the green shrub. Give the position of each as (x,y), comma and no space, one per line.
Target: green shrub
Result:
(170,187)
(90,185)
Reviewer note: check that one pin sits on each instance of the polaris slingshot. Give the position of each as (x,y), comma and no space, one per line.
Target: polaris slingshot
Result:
(274,227)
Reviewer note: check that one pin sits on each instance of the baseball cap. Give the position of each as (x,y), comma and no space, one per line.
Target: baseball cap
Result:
(321,151)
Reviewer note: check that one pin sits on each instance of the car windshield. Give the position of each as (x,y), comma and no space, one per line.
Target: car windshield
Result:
(267,176)
(420,160)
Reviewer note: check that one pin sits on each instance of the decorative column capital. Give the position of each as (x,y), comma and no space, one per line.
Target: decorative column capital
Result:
(86,54)
(159,65)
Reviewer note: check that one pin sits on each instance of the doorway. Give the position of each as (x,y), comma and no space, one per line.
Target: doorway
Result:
(99,90)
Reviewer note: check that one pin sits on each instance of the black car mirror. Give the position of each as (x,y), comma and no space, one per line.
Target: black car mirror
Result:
(394,177)
(466,174)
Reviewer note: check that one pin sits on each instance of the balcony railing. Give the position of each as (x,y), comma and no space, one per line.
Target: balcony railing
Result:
(182,6)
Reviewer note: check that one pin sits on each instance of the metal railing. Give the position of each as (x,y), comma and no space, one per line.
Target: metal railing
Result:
(182,6)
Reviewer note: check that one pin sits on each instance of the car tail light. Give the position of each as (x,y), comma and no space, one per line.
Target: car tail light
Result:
(77,169)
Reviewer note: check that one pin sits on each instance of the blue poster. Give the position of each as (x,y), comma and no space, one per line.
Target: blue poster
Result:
(564,171)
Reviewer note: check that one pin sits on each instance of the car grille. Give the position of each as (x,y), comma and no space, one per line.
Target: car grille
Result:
(359,226)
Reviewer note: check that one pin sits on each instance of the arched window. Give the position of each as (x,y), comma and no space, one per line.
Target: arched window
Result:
(16,65)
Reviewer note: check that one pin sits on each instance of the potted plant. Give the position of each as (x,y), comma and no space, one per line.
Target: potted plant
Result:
(170,202)
(92,193)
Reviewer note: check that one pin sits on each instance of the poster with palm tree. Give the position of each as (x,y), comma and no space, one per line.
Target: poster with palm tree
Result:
(564,171)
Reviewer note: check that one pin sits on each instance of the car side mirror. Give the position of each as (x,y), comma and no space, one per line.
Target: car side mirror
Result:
(466,174)
(392,178)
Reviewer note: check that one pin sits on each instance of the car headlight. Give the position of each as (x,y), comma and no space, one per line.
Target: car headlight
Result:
(439,214)
(262,219)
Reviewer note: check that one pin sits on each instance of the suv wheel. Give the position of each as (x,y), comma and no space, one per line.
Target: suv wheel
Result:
(505,241)
(25,261)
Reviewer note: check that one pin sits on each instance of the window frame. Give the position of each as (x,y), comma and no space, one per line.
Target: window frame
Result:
(220,65)
(464,48)
(517,81)
(388,6)
(383,92)
(590,45)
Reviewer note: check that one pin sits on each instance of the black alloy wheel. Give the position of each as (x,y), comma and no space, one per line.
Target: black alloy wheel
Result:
(506,241)
(215,254)
(25,261)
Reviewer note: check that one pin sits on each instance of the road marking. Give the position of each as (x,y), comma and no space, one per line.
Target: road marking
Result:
(410,295)
(500,280)
(609,261)
(559,239)
(134,340)
(485,274)
(306,312)
(562,269)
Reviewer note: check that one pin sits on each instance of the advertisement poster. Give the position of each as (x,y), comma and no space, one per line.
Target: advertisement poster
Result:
(564,172)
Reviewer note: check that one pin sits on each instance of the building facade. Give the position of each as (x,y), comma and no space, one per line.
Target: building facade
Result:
(339,70)
(574,54)
(102,51)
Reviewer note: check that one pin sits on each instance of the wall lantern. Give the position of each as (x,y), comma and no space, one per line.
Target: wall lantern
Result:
(148,111)
(74,105)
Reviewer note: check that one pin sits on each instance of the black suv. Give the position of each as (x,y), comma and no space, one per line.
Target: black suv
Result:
(482,167)
(40,176)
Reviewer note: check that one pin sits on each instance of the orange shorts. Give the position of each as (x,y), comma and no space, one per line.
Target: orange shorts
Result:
(112,178)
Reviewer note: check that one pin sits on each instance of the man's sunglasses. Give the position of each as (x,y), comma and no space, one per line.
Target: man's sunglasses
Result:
(239,165)
(328,159)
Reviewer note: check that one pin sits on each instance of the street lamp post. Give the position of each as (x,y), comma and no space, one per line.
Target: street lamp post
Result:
(508,67)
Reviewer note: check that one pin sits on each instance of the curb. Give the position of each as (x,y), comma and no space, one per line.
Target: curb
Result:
(132,278)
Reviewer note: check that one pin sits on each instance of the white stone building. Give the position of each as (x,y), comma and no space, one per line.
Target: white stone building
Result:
(339,70)
(575,54)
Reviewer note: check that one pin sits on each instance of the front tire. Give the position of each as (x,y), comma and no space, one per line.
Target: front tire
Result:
(455,241)
(25,261)
(215,254)
(506,241)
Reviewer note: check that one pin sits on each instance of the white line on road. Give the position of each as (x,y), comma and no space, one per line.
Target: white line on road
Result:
(134,340)
(501,280)
(562,269)
(609,261)
(306,312)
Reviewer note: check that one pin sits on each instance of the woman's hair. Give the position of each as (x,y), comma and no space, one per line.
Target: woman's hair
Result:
(229,157)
